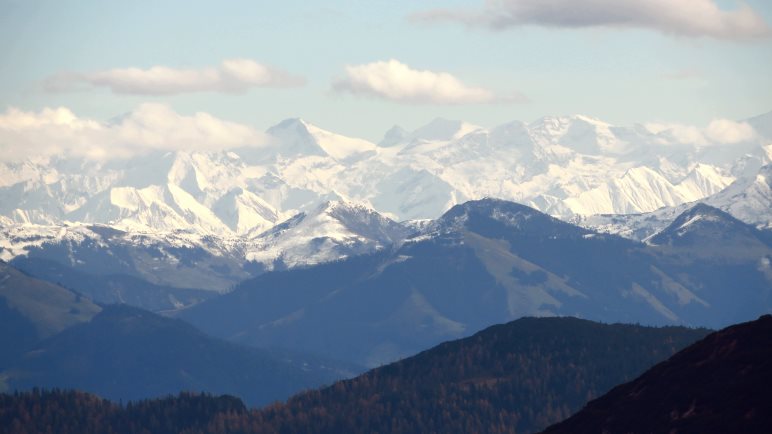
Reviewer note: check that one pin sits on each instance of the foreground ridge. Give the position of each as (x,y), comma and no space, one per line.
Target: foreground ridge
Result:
(515,377)
(715,385)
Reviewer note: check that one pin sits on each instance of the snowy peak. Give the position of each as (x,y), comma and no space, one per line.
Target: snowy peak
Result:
(705,224)
(294,138)
(362,220)
(564,166)
(643,189)
(511,135)
(393,136)
(300,137)
(579,133)
(704,180)
(441,129)
(331,231)
(243,211)
(165,207)
(763,125)
(749,198)
(340,147)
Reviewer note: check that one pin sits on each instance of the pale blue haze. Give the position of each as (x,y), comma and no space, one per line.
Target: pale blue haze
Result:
(620,76)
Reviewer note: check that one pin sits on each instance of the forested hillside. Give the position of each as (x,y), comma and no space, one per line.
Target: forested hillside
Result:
(517,377)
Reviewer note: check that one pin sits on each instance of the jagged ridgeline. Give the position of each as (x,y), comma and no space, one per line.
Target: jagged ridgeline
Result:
(160,230)
(517,377)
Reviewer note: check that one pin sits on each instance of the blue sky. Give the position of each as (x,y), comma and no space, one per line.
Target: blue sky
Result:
(661,67)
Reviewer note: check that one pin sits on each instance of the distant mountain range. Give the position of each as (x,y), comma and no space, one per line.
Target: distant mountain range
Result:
(563,166)
(490,261)
(158,230)
(125,353)
(749,199)
(53,337)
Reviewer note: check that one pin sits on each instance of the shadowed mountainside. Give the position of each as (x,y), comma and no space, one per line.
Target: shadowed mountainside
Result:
(719,384)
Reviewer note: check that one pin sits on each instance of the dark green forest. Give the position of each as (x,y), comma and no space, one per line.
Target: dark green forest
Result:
(71,412)
(518,377)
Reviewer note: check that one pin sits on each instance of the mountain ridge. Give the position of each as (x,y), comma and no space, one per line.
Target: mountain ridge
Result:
(563,166)
(710,386)
(499,261)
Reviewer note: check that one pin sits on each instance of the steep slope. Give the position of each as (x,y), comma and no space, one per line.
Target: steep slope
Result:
(711,386)
(48,307)
(126,353)
(485,262)
(642,189)
(32,309)
(243,211)
(749,199)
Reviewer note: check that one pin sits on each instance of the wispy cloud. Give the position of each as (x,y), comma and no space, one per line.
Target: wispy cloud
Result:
(231,76)
(395,81)
(150,127)
(691,18)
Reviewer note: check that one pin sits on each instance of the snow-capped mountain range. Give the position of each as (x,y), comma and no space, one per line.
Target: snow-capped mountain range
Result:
(313,195)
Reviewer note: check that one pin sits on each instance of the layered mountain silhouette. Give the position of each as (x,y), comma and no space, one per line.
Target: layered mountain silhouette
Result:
(515,377)
(32,309)
(491,261)
(125,353)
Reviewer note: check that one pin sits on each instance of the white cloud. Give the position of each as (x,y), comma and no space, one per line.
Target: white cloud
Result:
(718,132)
(728,131)
(151,127)
(395,81)
(232,76)
(693,18)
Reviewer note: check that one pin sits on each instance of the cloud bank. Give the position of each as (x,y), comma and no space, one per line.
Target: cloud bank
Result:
(395,81)
(690,18)
(150,127)
(718,132)
(231,76)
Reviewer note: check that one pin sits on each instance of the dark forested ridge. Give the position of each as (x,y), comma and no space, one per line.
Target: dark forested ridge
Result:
(71,412)
(517,377)
(720,384)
